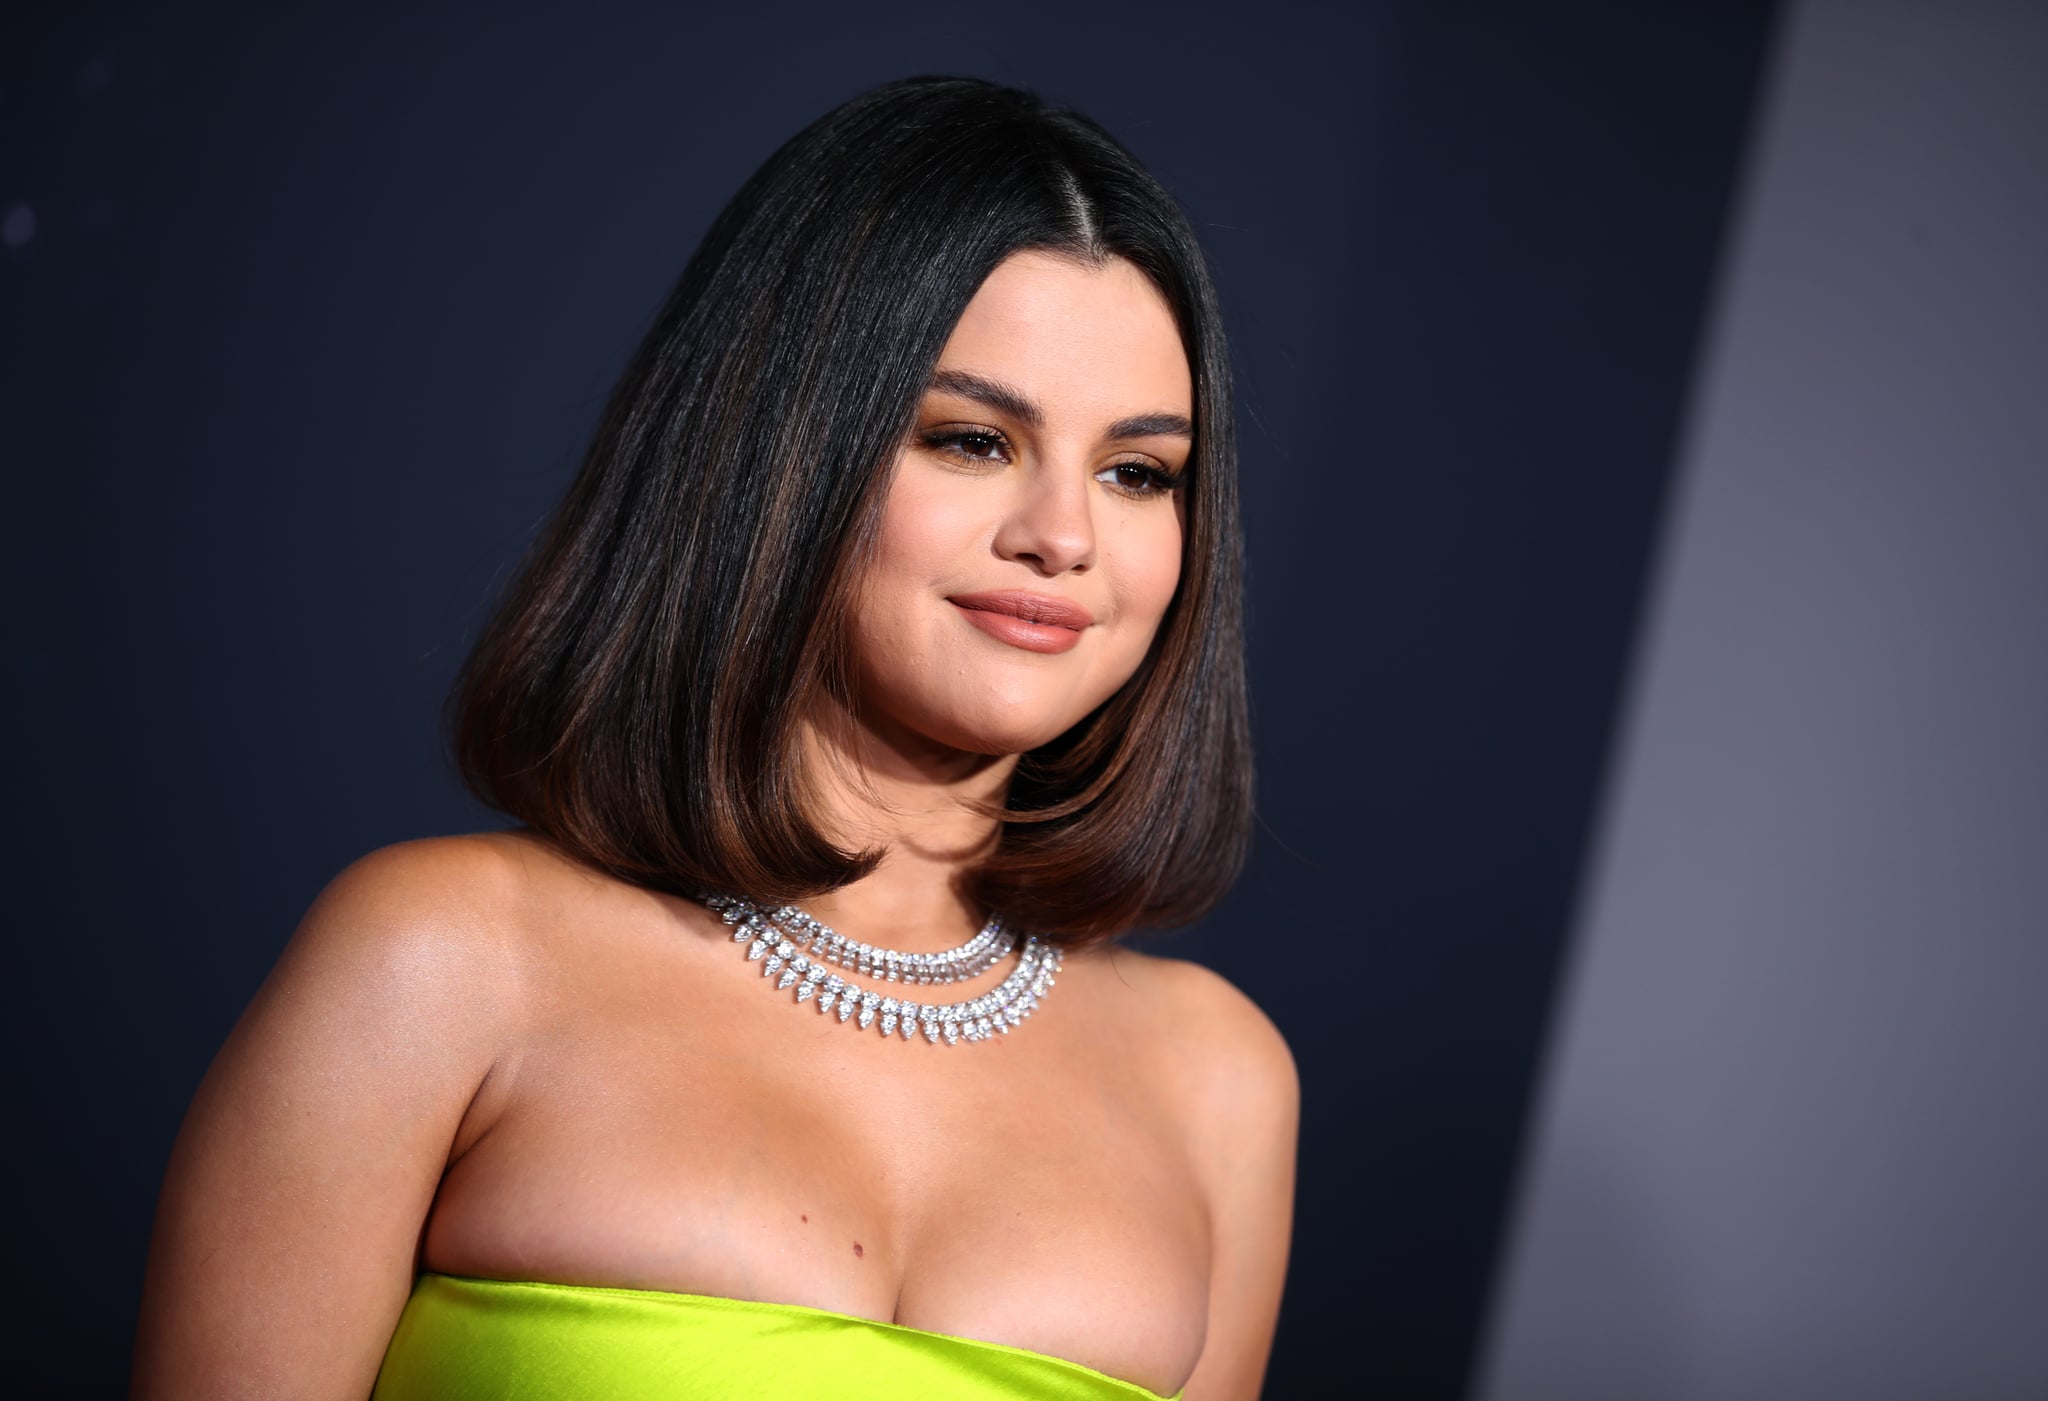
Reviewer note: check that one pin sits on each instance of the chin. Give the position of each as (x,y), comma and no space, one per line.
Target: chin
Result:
(997,730)
(992,713)
(999,740)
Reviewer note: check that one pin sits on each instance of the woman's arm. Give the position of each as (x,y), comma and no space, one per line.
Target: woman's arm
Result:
(1242,1097)
(291,1211)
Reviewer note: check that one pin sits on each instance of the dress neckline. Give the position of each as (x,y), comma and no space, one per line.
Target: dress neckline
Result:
(719,1302)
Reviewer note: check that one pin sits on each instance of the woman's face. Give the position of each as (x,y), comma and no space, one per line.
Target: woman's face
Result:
(1031,538)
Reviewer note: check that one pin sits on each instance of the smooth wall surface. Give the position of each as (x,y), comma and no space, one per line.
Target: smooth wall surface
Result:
(306,311)
(1795,1126)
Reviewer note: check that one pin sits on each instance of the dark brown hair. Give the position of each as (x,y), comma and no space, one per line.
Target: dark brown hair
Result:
(638,696)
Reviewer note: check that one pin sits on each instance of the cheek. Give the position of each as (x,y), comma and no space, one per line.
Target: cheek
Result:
(926,530)
(925,534)
(1149,571)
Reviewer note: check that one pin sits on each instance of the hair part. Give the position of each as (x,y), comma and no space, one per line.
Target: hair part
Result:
(639,695)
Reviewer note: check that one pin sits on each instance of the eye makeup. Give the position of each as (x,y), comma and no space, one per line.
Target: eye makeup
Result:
(1139,479)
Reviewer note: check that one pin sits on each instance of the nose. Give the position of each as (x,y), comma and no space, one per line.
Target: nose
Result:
(1050,523)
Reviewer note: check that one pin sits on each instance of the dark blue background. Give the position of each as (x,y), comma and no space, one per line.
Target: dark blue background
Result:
(319,308)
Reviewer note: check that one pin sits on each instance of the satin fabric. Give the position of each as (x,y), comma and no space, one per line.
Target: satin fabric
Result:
(470,1339)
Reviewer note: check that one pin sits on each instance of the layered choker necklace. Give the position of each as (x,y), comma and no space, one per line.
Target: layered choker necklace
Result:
(797,952)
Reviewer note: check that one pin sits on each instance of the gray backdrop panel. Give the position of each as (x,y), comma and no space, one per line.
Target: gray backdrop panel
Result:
(1792,1139)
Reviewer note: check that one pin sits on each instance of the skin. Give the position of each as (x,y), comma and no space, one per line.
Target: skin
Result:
(480,1057)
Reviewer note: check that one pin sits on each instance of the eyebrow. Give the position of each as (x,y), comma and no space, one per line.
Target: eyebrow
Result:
(1014,403)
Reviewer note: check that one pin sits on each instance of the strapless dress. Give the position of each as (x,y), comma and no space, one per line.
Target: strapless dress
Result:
(470,1339)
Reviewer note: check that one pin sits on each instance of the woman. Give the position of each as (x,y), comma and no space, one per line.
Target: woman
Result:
(899,587)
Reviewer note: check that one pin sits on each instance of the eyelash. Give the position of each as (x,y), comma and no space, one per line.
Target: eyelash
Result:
(1157,480)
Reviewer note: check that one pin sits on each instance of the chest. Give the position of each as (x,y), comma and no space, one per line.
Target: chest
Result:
(1023,1191)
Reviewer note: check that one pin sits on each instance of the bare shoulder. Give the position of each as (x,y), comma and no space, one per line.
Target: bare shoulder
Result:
(1224,1073)
(292,1206)
(458,901)
(435,935)
(1222,1053)
(1215,1015)
(433,886)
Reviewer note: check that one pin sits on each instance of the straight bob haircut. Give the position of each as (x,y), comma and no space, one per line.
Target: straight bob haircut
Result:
(638,698)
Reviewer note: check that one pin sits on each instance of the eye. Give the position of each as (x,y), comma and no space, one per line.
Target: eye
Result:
(1139,479)
(980,445)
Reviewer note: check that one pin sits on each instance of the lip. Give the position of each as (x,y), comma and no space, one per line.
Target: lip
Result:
(1033,621)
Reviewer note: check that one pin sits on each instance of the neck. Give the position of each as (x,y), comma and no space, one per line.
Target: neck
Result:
(883,787)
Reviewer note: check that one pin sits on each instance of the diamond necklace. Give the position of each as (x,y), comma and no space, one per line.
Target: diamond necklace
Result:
(780,949)
(969,960)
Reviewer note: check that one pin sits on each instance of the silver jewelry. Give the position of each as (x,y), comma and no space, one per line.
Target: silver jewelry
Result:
(993,1013)
(969,960)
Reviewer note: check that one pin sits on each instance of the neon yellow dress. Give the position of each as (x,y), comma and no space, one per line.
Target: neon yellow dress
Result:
(471,1339)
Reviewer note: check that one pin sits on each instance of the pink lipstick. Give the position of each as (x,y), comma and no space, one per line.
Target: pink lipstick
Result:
(1035,622)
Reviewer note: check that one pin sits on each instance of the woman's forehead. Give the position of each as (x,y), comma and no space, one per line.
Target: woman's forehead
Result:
(1072,337)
